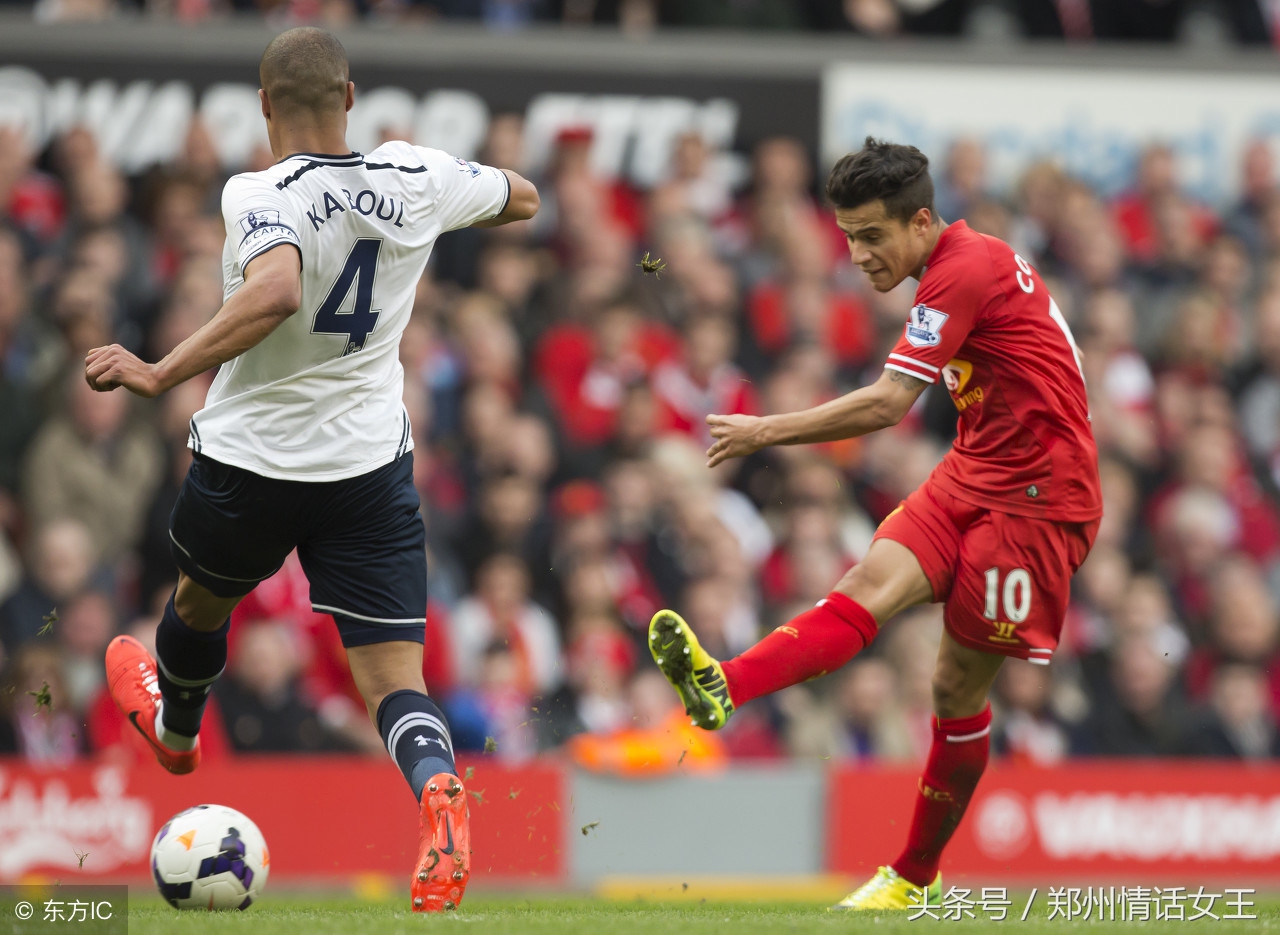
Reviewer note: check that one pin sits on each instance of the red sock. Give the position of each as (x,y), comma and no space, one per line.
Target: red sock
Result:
(819,641)
(956,761)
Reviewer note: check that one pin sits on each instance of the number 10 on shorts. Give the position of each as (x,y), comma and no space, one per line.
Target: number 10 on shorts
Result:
(1016,595)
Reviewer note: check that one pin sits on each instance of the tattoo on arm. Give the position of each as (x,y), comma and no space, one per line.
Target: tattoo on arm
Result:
(907,380)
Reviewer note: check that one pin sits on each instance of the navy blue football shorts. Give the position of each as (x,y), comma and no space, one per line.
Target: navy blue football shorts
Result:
(361,541)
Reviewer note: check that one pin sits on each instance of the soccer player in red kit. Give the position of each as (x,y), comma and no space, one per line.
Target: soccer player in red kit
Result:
(994,534)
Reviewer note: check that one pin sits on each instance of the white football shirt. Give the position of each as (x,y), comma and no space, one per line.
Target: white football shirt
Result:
(320,398)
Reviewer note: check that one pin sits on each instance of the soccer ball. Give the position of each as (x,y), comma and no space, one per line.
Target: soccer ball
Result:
(209,857)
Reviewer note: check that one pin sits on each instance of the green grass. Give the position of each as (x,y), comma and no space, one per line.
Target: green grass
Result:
(486,914)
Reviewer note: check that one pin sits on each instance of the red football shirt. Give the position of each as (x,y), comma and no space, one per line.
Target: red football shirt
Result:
(985,323)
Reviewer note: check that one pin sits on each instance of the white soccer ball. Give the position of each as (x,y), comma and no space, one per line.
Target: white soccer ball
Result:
(209,857)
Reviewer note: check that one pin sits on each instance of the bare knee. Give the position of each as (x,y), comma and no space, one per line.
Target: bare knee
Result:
(960,691)
(862,580)
(199,608)
(887,581)
(374,697)
(951,692)
(376,691)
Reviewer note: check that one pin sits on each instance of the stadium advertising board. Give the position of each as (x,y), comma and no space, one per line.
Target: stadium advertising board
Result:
(1105,823)
(1102,822)
(325,818)
(1093,122)
(141,112)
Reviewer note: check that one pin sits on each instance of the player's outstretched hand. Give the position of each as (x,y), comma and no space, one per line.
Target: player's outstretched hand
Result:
(105,368)
(735,436)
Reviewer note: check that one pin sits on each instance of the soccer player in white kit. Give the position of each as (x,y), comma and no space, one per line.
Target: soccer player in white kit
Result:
(304,441)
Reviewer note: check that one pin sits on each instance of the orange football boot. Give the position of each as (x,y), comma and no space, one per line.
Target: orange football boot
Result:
(135,688)
(444,846)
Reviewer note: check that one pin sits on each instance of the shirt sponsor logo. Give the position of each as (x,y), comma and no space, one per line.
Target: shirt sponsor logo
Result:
(956,375)
(965,400)
(255,219)
(923,330)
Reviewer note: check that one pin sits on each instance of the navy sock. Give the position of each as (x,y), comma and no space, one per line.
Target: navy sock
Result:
(189,662)
(417,737)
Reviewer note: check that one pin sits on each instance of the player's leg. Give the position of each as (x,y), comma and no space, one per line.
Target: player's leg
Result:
(389,678)
(228,532)
(191,654)
(380,669)
(199,608)
(957,759)
(824,638)
(890,579)
(957,756)
(416,734)
(388,674)
(365,556)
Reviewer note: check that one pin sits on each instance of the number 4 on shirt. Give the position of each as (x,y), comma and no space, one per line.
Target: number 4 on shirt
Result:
(359,270)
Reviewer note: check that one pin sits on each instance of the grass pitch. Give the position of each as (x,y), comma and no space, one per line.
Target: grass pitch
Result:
(485,914)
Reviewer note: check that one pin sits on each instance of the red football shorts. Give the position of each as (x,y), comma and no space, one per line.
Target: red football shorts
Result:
(1005,580)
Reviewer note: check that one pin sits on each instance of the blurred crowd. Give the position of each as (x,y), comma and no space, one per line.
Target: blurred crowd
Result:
(558,386)
(1201,22)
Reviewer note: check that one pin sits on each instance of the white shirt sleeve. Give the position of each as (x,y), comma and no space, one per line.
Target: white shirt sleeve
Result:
(466,191)
(258,217)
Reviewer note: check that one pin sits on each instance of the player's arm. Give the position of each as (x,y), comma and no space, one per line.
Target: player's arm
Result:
(522,202)
(861,412)
(271,292)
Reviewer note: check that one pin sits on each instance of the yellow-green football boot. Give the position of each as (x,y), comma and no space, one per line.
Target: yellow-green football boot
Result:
(887,890)
(691,670)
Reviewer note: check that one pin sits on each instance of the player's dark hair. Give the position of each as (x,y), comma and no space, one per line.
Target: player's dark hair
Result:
(893,173)
(304,70)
